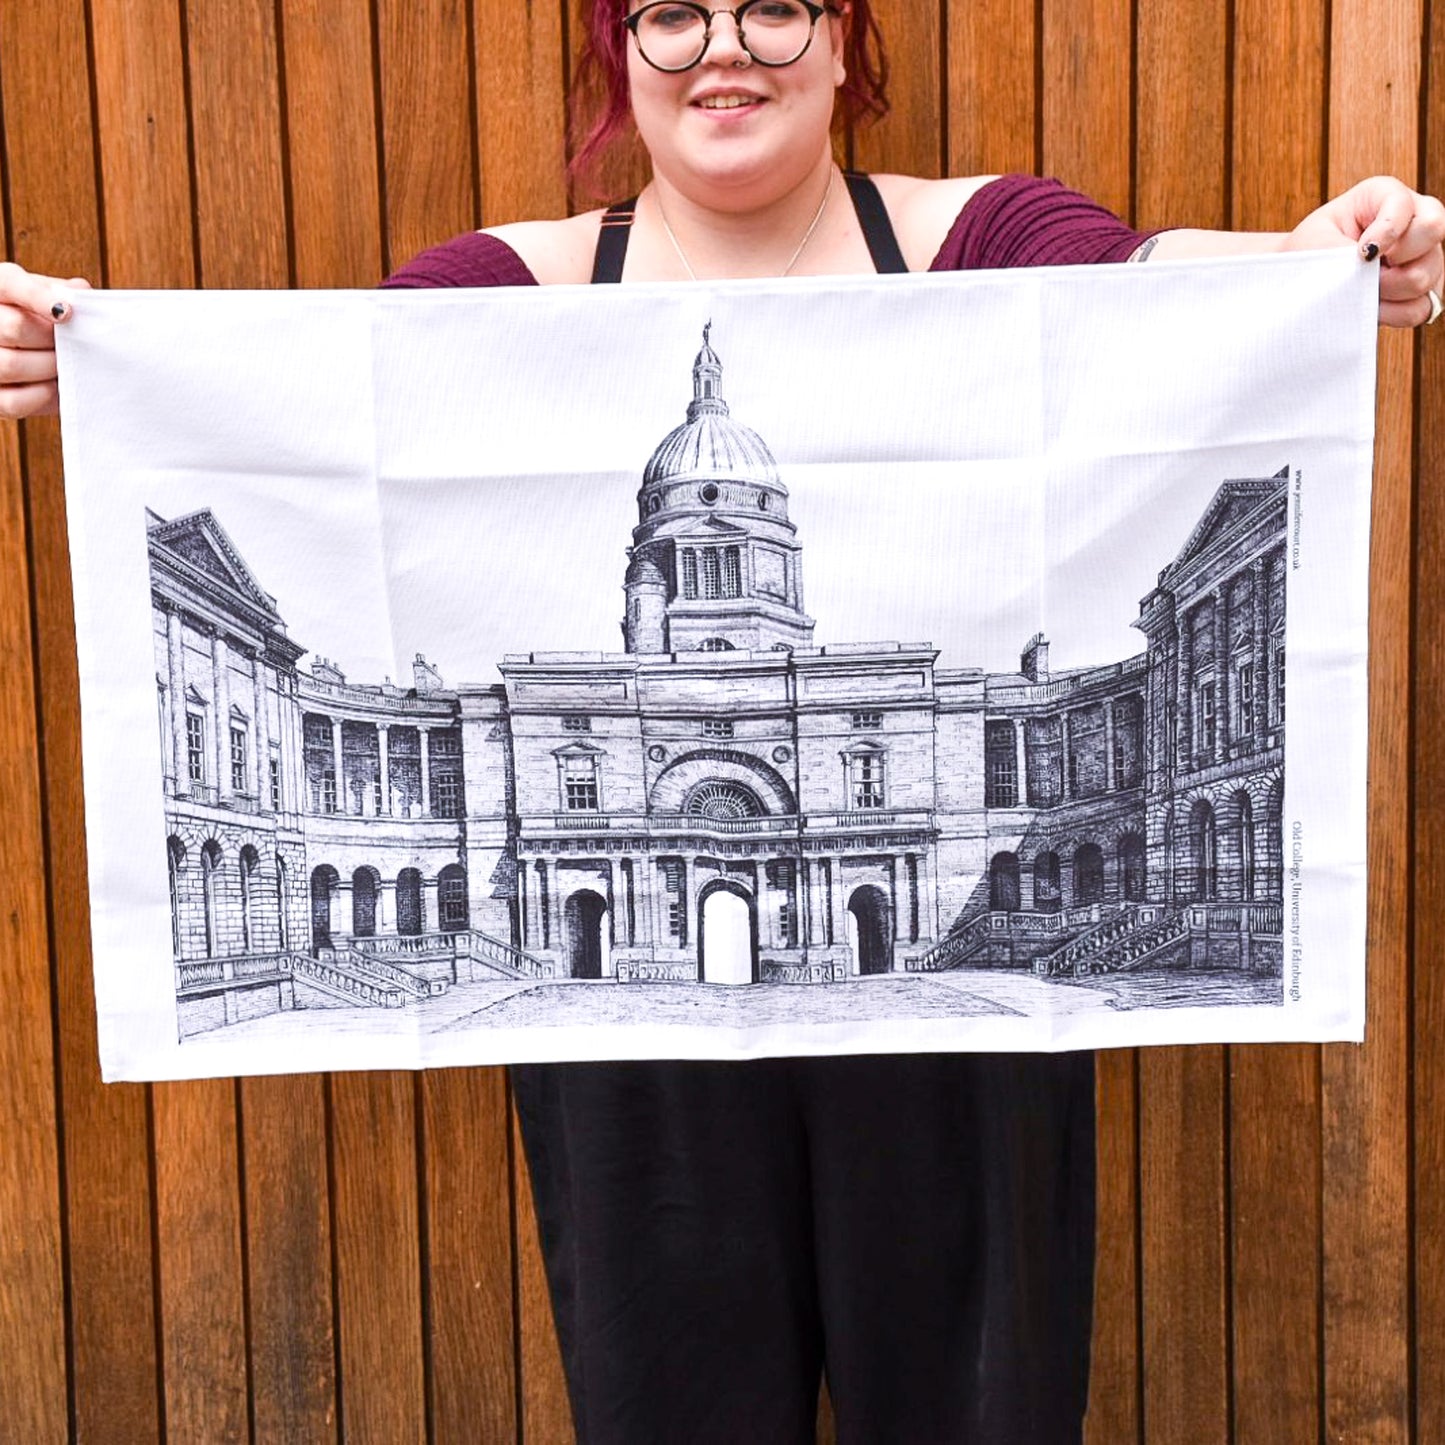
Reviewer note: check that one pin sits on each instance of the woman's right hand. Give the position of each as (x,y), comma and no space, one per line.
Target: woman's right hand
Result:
(30,309)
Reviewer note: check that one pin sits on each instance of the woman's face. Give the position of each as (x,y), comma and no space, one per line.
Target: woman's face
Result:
(729,131)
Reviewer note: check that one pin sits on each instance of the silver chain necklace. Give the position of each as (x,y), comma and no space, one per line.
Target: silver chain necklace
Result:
(792,260)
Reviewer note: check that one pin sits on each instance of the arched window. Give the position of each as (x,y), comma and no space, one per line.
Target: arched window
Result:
(283,922)
(723,800)
(363,903)
(408,902)
(1242,847)
(1003,883)
(1048,893)
(715,644)
(324,880)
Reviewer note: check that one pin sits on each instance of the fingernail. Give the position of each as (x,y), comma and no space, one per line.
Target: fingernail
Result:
(60,310)
(1369,250)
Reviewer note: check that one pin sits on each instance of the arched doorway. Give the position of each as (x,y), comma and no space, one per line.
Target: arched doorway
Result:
(1048,892)
(584,919)
(250,862)
(1003,883)
(175,861)
(1243,829)
(408,902)
(363,902)
(727,934)
(324,881)
(870,931)
(210,886)
(1132,867)
(1088,874)
(452,899)
(1204,853)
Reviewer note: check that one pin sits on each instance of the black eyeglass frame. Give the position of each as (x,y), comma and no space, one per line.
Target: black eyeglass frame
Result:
(815,14)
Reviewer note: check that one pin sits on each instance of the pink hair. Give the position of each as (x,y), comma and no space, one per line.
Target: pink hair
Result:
(602,108)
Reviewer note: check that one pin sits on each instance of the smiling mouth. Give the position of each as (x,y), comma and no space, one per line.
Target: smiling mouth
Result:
(727,102)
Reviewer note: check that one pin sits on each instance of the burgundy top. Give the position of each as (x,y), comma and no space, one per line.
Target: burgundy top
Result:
(1013,221)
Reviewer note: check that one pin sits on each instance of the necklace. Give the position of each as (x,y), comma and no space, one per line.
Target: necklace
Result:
(792,260)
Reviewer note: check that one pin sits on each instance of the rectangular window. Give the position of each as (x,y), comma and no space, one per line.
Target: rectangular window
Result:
(717,728)
(238,758)
(275,785)
(732,573)
(672,877)
(867,781)
(195,747)
(1244,693)
(328,791)
(576,724)
(689,574)
(1001,766)
(579,776)
(1207,732)
(446,795)
(711,580)
(867,721)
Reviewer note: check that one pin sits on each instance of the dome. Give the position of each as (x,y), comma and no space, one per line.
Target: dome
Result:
(710,443)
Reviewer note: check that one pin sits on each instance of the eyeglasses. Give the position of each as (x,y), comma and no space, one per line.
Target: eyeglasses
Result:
(673,35)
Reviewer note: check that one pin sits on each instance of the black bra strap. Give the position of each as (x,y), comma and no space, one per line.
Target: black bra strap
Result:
(877,228)
(612,241)
(616,227)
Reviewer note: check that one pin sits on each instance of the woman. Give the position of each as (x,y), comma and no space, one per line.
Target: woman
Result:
(716,1233)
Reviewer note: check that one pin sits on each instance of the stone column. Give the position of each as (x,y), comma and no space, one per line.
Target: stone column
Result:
(423,737)
(1259,650)
(430,914)
(837,929)
(1021,746)
(1111,781)
(386,907)
(1222,664)
(261,739)
(1066,744)
(338,764)
(1184,697)
(176,671)
(900,904)
(221,706)
(629,902)
(611,907)
(805,904)
(689,923)
(383,741)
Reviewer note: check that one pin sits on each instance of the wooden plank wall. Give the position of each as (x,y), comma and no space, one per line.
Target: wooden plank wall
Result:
(352,1258)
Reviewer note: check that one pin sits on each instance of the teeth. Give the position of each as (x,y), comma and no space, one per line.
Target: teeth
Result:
(725,102)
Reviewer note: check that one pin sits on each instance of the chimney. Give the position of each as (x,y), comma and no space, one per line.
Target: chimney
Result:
(324,670)
(1034,664)
(427,678)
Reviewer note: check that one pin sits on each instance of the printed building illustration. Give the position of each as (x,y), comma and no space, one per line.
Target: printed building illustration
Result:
(721,801)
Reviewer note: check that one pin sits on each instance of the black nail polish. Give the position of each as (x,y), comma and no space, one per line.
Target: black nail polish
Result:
(58,310)
(1371,250)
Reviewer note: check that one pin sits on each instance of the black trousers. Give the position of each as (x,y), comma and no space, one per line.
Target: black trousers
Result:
(716,1234)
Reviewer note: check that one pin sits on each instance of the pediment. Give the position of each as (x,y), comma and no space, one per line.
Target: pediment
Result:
(200,542)
(1234,501)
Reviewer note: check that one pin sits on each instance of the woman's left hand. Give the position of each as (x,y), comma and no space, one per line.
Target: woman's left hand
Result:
(1385,218)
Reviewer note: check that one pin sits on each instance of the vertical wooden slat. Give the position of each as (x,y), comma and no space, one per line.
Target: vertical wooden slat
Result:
(910,138)
(1428,1259)
(242,234)
(1088,56)
(546,1413)
(332,153)
(32,1309)
(378,1268)
(1180,176)
(1114,1416)
(1374,114)
(468,1187)
(521,111)
(140,84)
(992,96)
(51,188)
(426,100)
(1278,145)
